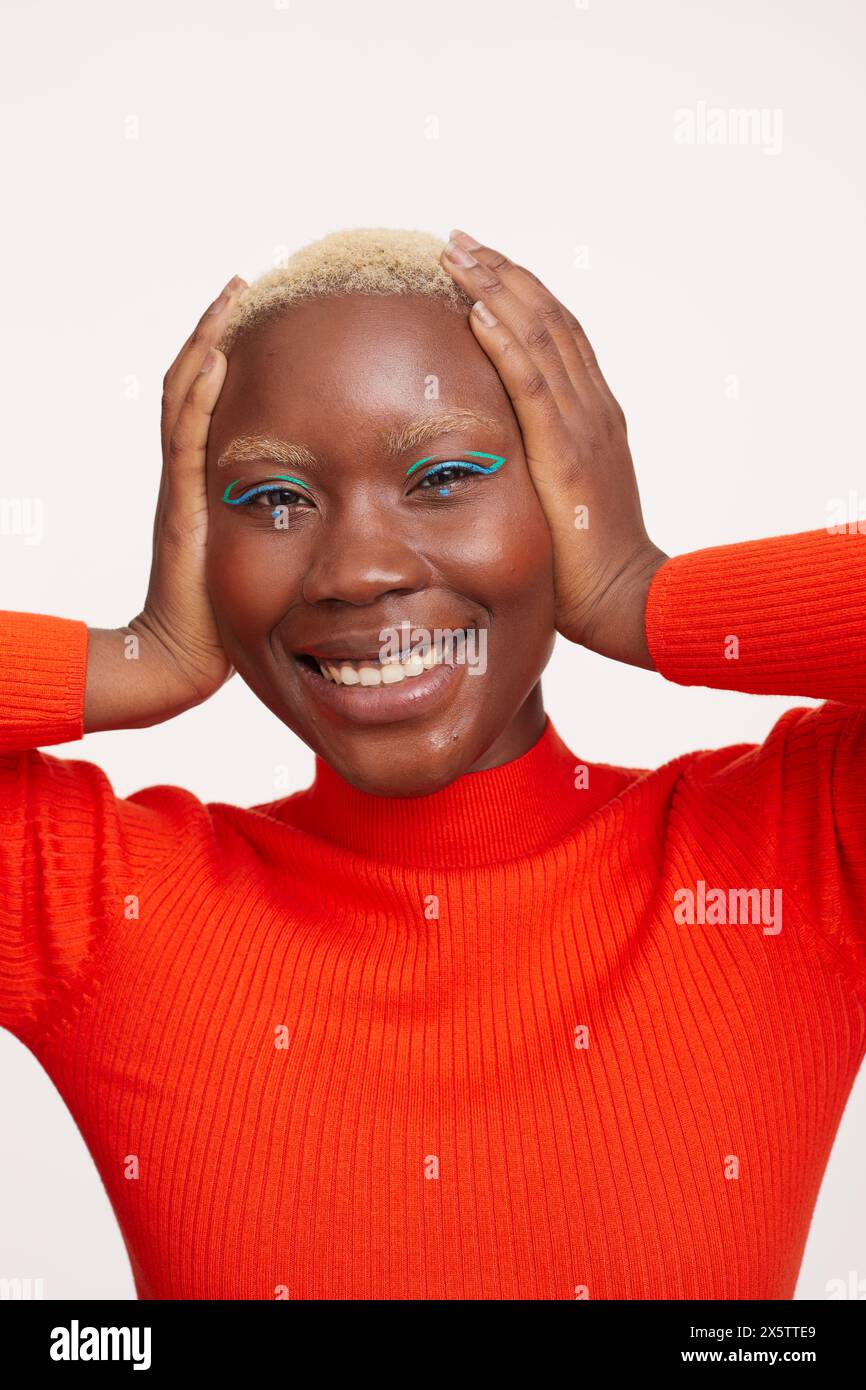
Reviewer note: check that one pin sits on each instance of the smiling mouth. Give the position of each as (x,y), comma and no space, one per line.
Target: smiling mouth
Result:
(370,673)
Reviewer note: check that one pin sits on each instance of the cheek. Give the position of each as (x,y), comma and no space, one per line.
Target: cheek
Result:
(251,577)
(505,550)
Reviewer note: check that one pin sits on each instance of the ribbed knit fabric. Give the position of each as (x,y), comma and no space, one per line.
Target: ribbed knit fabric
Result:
(465,1046)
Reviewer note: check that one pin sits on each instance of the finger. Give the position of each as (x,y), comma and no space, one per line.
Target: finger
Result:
(186,491)
(570,467)
(564,323)
(183,370)
(574,346)
(490,276)
(548,314)
(537,409)
(590,361)
(561,474)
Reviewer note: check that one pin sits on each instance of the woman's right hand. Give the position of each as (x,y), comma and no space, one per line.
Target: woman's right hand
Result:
(169,658)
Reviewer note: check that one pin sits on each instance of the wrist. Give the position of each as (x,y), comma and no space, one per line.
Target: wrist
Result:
(617,625)
(131,682)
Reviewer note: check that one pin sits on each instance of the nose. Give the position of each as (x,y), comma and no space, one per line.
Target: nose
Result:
(362,557)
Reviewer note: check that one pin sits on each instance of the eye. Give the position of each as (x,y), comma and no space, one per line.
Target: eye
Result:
(267,496)
(444,475)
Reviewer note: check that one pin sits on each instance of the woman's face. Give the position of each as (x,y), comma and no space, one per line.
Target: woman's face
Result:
(352,393)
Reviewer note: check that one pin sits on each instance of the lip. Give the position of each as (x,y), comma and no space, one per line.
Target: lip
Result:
(383,704)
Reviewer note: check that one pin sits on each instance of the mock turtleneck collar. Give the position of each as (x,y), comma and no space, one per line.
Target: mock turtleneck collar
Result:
(504,812)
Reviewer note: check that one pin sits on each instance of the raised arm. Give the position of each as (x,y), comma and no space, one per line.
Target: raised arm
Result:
(784,616)
(169,657)
(72,854)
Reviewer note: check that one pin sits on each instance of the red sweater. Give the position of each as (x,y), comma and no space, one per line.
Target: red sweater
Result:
(523,1038)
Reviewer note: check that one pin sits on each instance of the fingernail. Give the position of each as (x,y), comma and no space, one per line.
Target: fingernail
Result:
(481,311)
(457,256)
(466,241)
(209,359)
(235,283)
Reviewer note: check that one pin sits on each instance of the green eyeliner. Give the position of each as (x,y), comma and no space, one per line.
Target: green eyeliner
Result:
(498,461)
(259,487)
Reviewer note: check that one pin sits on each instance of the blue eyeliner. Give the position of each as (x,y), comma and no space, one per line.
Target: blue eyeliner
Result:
(498,461)
(260,487)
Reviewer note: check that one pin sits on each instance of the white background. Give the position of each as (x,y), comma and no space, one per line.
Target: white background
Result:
(152,151)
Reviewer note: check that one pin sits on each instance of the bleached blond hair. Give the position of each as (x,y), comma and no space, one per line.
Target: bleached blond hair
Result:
(356,260)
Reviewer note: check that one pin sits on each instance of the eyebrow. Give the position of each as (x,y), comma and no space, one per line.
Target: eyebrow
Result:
(253,448)
(436,423)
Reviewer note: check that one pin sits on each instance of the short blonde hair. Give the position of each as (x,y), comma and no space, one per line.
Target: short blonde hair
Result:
(357,260)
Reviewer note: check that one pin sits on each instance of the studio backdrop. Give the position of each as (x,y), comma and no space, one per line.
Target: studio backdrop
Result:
(687,178)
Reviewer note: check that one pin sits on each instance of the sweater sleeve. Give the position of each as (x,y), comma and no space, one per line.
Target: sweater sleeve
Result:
(71,852)
(784,616)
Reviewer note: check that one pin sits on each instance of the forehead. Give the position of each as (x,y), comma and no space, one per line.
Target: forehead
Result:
(358,361)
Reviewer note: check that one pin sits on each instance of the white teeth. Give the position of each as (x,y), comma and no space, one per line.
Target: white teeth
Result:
(387,673)
(392,673)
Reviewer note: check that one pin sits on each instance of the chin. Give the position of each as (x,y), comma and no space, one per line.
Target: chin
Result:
(405,764)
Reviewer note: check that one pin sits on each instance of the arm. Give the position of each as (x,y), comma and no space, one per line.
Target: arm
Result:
(66,845)
(73,855)
(575,441)
(781,616)
(786,615)
(71,852)
(169,658)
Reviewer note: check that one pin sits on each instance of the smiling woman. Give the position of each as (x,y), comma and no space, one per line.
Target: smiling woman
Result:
(363,536)
(435,1026)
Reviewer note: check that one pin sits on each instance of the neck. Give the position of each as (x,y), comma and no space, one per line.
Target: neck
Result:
(522,733)
(488,815)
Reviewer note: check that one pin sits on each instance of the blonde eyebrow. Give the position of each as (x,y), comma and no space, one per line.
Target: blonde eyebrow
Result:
(255,448)
(251,448)
(431,426)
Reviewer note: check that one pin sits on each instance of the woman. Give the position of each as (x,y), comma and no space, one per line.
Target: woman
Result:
(467,1017)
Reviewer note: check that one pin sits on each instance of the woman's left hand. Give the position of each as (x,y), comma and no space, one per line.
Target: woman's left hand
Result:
(574,436)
